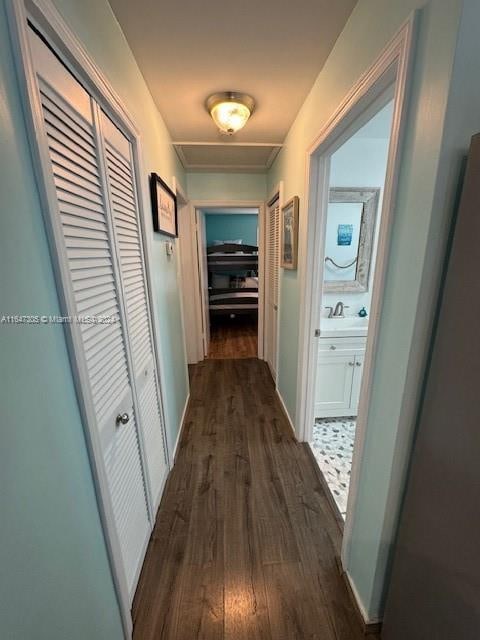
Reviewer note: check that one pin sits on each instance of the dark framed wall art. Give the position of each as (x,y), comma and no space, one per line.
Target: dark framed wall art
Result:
(164,207)
(289,237)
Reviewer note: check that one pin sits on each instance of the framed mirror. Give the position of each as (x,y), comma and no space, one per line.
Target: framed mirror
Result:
(351,218)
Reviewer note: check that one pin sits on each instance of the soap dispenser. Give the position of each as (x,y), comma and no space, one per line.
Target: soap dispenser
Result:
(363,313)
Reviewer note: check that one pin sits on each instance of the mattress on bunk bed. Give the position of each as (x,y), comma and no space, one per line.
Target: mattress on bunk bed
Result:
(234,297)
(243,295)
(232,255)
(234,261)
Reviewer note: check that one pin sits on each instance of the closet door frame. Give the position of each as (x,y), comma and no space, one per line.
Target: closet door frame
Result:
(276,194)
(45,17)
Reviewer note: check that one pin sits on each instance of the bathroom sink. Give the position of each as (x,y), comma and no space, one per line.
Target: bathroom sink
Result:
(351,326)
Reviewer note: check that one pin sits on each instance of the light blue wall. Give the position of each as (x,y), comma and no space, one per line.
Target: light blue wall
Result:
(418,240)
(55,577)
(231,226)
(227,186)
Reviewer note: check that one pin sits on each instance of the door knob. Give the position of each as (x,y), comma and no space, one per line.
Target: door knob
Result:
(359,364)
(122,418)
(351,364)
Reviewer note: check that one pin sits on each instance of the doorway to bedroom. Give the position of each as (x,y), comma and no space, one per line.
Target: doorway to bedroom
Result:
(228,241)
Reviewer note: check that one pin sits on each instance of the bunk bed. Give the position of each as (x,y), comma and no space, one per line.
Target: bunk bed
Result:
(232,279)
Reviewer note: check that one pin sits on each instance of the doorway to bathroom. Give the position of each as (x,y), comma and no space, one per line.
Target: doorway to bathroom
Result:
(350,234)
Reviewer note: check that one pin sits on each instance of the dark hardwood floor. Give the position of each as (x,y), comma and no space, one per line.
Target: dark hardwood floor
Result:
(245,541)
(233,337)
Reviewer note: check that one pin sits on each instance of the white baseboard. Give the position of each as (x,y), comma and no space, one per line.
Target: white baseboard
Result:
(180,429)
(285,410)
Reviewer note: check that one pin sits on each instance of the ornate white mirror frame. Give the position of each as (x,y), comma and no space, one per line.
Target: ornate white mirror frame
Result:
(369,197)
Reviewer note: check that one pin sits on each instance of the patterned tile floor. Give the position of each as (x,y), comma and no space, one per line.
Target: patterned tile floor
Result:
(333,448)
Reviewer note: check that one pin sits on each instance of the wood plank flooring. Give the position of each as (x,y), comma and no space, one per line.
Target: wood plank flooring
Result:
(233,337)
(245,541)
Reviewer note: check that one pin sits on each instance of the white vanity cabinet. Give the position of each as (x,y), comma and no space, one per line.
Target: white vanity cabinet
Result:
(339,376)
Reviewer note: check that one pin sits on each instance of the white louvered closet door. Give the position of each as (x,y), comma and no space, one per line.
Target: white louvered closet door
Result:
(272,284)
(124,203)
(91,280)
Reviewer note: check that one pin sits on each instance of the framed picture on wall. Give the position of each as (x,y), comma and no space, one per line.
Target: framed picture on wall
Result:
(289,237)
(164,207)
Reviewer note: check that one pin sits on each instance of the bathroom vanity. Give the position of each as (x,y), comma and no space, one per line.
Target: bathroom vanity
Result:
(341,350)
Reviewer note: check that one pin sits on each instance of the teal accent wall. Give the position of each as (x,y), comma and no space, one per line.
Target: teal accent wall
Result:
(231,226)
(55,576)
(422,217)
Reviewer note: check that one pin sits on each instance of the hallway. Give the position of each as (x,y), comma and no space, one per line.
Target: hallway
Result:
(233,337)
(245,542)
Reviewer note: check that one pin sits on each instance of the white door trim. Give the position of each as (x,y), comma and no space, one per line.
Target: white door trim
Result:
(220,204)
(45,16)
(201,237)
(392,68)
(182,203)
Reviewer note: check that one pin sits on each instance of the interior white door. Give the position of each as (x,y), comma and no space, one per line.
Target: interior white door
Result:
(123,199)
(93,285)
(272,285)
(203,271)
(189,283)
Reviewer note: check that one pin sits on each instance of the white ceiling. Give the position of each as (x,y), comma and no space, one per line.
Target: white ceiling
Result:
(271,49)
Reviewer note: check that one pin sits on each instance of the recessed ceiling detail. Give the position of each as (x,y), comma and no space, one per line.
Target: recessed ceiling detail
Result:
(272,50)
(228,156)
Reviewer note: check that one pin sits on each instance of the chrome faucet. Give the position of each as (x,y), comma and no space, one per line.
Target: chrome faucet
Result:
(339,311)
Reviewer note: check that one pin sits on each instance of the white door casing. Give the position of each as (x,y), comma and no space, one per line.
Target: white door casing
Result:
(200,268)
(203,279)
(390,71)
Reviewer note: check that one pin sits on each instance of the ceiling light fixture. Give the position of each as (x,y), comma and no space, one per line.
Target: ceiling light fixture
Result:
(230,110)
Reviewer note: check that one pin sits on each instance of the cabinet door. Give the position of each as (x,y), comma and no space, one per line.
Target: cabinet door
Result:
(334,385)
(357,383)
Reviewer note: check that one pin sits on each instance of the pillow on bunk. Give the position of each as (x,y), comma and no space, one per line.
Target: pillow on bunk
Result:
(220,281)
(217,242)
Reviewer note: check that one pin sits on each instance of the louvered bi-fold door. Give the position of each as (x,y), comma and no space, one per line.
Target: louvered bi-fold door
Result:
(272,283)
(88,248)
(124,204)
